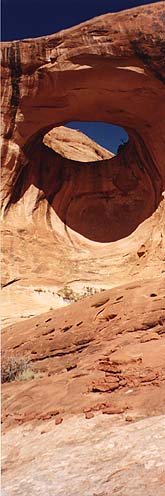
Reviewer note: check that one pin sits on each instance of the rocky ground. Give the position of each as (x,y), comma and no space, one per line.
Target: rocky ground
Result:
(103,456)
(92,421)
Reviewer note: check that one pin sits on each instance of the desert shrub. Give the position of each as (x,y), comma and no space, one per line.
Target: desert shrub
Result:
(40,290)
(12,366)
(28,375)
(89,291)
(16,368)
(69,295)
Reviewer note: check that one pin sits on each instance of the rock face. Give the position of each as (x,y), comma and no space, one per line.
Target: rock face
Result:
(78,219)
(106,466)
(70,143)
(84,420)
(91,353)
(108,69)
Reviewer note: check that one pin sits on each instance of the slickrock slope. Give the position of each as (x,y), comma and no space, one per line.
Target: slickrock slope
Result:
(119,459)
(70,143)
(83,425)
(89,352)
(65,220)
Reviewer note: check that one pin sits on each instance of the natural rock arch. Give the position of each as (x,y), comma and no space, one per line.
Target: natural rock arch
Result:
(108,69)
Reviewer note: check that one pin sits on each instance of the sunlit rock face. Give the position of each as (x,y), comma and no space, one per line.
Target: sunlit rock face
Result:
(93,413)
(67,202)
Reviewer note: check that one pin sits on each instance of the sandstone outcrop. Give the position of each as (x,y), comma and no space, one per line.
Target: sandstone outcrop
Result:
(77,219)
(91,352)
(101,376)
(110,69)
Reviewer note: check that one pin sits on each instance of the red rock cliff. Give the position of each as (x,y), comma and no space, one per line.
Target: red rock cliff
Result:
(109,69)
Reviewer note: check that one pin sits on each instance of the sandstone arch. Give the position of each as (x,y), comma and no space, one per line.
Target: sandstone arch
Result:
(110,69)
(104,200)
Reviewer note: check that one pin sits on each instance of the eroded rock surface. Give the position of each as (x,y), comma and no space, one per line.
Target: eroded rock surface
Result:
(91,218)
(91,420)
(97,457)
(85,421)
(103,353)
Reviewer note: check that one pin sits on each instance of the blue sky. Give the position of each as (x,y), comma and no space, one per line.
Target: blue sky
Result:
(32,18)
(106,135)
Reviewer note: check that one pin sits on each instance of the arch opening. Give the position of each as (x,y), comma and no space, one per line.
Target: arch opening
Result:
(104,201)
(107,135)
(103,79)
